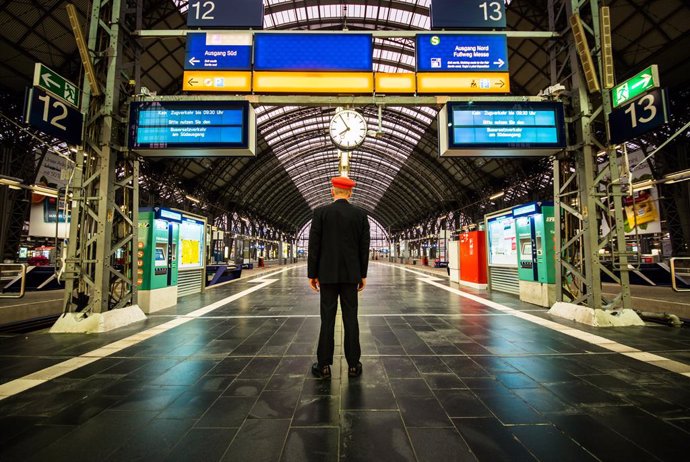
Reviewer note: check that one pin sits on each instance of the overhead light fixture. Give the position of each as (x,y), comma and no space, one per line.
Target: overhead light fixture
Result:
(608,74)
(10,181)
(677,177)
(193,199)
(43,190)
(642,185)
(584,53)
(497,195)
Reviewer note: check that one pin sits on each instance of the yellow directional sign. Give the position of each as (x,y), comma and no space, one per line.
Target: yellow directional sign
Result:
(463,82)
(219,81)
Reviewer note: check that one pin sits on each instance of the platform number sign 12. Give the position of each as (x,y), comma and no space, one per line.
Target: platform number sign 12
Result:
(638,117)
(202,10)
(226,14)
(53,116)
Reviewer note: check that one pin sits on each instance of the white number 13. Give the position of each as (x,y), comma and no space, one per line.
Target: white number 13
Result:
(647,104)
(492,11)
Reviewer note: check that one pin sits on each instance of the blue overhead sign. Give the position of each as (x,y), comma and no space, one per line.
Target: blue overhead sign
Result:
(468,14)
(218,51)
(225,13)
(313,52)
(54,117)
(463,53)
(170,126)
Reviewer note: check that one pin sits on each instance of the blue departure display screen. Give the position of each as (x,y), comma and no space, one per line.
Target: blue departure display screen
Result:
(524,125)
(313,52)
(188,124)
(462,53)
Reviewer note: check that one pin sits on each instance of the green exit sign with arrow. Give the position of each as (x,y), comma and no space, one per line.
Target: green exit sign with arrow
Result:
(53,82)
(635,86)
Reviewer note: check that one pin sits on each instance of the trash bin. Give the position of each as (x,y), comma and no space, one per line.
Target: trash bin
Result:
(261,262)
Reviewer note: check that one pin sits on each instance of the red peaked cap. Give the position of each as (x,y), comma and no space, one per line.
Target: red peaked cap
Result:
(342,182)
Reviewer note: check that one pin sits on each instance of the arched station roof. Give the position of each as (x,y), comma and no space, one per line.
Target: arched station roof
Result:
(401,179)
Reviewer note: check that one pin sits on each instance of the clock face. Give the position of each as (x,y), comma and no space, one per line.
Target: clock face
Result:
(348,129)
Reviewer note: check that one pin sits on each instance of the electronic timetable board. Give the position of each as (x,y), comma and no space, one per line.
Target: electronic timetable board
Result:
(492,128)
(192,128)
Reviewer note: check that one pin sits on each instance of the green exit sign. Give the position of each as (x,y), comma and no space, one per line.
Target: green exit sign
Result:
(53,82)
(635,86)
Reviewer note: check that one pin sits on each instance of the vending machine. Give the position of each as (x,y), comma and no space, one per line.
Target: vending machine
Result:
(535,230)
(157,265)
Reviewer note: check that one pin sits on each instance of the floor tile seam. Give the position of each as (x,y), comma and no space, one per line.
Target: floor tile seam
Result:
(576,333)
(61,368)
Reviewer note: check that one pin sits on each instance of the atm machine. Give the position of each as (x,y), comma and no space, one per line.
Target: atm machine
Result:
(535,230)
(157,258)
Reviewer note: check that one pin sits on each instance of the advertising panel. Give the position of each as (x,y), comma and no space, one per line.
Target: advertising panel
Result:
(502,244)
(191,244)
(47,216)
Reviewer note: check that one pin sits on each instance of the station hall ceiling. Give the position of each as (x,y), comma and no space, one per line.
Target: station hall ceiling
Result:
(401,179)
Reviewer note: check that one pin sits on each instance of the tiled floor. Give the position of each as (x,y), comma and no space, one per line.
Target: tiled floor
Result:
(445,378)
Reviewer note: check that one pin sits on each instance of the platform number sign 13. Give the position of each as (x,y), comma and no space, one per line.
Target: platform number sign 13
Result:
(54,117)
(638,117)
(468,14)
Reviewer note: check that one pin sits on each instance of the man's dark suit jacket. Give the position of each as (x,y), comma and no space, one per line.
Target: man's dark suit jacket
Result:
(339,244)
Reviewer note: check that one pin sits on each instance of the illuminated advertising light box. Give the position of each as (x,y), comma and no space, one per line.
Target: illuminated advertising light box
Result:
(501,129)
(313,52)
(462,53)
(502,241)
(192,128)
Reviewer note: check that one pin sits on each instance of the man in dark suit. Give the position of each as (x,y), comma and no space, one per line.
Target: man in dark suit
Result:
(337,267)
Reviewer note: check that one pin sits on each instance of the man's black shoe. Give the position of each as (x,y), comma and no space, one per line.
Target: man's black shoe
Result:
(322,372)
(355,371)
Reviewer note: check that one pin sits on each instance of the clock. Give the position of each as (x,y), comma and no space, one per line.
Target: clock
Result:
(348,129)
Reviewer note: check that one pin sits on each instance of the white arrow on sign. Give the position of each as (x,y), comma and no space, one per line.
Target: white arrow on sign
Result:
(500,62)
(48,81)
(644,82)
(194,61)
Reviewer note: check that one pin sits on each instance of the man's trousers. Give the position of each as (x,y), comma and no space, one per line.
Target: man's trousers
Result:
(329,307)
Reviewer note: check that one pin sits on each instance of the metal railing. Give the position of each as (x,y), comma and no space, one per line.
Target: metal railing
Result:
(680,268)
(10,273)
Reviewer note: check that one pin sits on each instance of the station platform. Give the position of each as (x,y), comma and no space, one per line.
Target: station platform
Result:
(449,374)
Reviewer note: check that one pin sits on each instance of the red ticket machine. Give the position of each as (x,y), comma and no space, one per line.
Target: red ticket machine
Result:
(473,266)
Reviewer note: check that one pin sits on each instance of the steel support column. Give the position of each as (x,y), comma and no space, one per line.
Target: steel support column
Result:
(100,270)
(587,190)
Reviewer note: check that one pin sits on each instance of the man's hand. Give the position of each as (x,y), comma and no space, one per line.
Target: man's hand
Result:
(362,285)
(314,284)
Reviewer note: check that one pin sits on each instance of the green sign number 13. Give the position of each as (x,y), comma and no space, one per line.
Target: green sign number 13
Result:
(647,111)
